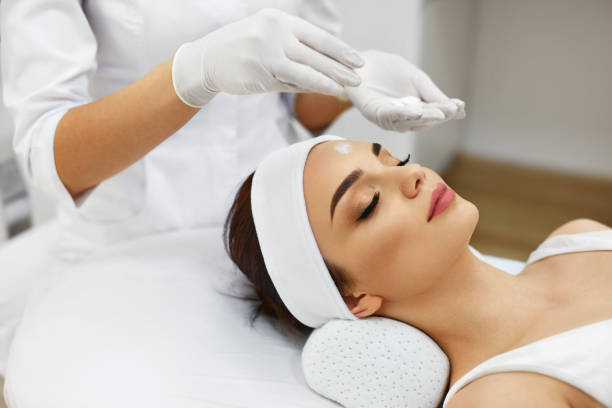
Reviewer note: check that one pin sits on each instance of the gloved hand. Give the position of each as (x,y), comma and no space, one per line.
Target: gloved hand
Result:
(270,51)
(396,95)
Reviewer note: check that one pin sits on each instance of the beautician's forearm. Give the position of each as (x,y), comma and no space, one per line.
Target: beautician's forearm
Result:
(317,111)
(97,140)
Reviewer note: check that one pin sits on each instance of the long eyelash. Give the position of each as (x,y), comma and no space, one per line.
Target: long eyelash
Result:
(370,207)
(404,161)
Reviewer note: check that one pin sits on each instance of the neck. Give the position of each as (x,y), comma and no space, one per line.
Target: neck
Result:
(475,311)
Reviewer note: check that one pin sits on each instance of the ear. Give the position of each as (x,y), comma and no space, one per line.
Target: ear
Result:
(363,305)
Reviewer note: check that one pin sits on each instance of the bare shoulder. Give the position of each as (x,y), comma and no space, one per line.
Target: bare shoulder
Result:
(506,390)
(579,225)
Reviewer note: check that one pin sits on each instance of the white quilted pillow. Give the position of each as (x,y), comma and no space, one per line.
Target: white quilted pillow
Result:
(375,362)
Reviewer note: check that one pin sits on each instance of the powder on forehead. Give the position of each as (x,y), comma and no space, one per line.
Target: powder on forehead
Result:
(343,148)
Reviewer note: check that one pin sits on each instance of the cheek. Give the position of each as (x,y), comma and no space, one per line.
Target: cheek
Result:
(386,247)
(400,254)
(401,244)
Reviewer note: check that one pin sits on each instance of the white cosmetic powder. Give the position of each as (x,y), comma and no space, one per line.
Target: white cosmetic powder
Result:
(343,148)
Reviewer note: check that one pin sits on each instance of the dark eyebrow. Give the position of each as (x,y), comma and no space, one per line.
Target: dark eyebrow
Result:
(349,181)
(343,187)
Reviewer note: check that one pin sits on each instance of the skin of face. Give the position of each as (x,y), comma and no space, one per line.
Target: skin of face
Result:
(394,256)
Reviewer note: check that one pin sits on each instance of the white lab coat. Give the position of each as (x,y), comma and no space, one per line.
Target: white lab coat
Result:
(57,54)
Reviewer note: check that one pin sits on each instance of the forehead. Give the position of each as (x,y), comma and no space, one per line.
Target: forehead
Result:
(335,149)
(327,164)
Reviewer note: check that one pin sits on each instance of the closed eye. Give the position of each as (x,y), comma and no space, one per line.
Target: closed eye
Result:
(403,162)
(370,207)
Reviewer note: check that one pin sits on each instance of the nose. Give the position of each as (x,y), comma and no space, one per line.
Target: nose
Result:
(411,179)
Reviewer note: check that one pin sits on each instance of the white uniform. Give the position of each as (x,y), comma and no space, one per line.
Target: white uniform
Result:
(58,54)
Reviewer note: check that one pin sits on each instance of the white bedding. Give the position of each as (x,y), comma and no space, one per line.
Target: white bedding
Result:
(141,324)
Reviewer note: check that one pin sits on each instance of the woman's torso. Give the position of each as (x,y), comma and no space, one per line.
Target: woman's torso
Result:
(189,179)
(581,283)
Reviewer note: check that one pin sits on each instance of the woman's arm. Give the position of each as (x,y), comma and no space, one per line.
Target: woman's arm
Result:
(99,139)
(68,143)
(124,126)
(65,141)
(317,111)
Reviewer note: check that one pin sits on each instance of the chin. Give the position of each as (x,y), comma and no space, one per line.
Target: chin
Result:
(462,223)
(470,217)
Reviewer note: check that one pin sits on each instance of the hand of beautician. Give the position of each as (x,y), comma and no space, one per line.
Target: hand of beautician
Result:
(396,95)
(270,51)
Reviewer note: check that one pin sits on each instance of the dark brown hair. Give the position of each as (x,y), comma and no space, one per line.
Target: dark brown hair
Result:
(243,248)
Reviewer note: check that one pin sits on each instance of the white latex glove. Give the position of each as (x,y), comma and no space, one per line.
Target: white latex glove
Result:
(396,95)
(270,51)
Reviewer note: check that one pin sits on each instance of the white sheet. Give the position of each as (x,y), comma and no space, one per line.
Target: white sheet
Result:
(22,260)
(140,324)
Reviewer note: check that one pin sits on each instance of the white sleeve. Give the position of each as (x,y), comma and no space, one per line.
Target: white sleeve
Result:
(48,57)
(322,13)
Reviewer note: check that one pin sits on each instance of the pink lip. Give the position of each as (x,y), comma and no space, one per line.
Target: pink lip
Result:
(441,198)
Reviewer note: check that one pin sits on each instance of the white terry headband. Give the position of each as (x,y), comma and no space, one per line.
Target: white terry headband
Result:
(289,249)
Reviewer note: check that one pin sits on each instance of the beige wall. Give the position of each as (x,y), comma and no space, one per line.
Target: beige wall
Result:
(446,52)
(540,84)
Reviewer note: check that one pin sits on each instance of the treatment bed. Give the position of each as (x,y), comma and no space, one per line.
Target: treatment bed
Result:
(142,323)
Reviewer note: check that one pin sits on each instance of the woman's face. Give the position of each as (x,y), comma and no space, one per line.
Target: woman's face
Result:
(379,233)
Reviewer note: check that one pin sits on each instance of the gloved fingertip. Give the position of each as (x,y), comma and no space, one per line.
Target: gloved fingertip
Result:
(460,108)
(413,112)
(460,104)
(356,81)
(355,59)
(450,110)
(412,116)
(433,114)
